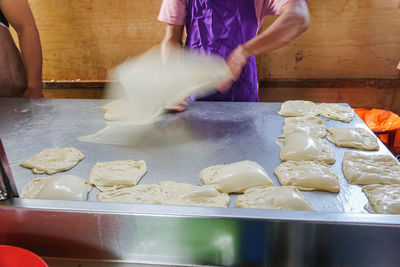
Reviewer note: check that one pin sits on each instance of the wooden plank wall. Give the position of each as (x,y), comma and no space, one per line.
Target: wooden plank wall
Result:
(82,39)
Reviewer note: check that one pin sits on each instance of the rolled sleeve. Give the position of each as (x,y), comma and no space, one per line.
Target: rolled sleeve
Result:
(274,7)
(173,12)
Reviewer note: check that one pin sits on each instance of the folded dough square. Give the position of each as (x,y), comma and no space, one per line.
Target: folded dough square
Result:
(120,173)
(308,175)
(335,112)
(276,198)
(309,125)
(384,199)
(353,138)
(297,108)
(235,177)
(359,168)
(302,147)
(54,160)
(61,187)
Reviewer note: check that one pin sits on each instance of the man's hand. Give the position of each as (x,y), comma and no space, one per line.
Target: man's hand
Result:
(33,92)
(236,62)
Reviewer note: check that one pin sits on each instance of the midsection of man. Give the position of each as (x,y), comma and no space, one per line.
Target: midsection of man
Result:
(12,72)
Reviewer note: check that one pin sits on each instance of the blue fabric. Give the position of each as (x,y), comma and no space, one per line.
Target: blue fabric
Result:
(3,19)
(218,27)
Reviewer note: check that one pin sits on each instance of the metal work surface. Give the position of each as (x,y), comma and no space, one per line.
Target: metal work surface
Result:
(176,148)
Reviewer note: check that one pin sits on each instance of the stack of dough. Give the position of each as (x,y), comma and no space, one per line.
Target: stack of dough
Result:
(280,198)
(235,177)
(302,147)
(353,138)
(308,175)
(168,193)
(116,174)
(62,187)
(54,160)
(312,126)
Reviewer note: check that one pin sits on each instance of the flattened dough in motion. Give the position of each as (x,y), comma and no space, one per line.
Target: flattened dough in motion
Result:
(302,147)
(367,169)
(297,108)
(384,199)
(62,187)
(54,160)
(308,175)
(276,198)
(168,193)
(235,177)
(335,112)
(353,138)
(309,125)
(115,110)
(120,173)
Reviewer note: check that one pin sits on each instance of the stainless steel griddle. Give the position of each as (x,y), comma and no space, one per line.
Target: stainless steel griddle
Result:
(177,148)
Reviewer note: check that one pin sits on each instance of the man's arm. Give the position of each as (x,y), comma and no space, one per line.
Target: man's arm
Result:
(172,39)
(292,22)
(19,14)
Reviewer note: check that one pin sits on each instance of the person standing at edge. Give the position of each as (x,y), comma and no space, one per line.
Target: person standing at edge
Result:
(20,73)
(229,29)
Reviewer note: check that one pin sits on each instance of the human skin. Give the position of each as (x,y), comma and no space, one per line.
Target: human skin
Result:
(20,17)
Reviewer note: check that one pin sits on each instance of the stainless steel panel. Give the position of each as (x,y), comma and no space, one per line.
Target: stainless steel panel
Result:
(339,234)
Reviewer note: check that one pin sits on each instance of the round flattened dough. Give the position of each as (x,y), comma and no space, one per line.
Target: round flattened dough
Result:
(297,108)
(353,138)
(335,112)
(384,199)
(109,175)
(141,194)
(54,160)
(359,168)
(62,187)
(235,177)
(278,198)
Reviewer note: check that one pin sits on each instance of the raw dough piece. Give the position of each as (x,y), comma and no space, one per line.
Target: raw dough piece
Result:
(63,187)
(302,147)
(353,137)
(54,160)
(191,195)
(235,177)
(297,108)
(120,173)
(370,169)
(277,198)
(142,194)
(335,112)
(308,175)
(383,199)
(168,193)
(309,125)
(115,110)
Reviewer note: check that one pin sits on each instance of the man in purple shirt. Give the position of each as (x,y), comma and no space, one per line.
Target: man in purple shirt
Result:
(229,29)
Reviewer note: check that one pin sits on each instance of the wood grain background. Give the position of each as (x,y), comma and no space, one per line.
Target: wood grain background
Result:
(82,39)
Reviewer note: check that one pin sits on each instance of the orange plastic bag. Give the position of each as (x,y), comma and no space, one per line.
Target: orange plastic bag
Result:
(381,120)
